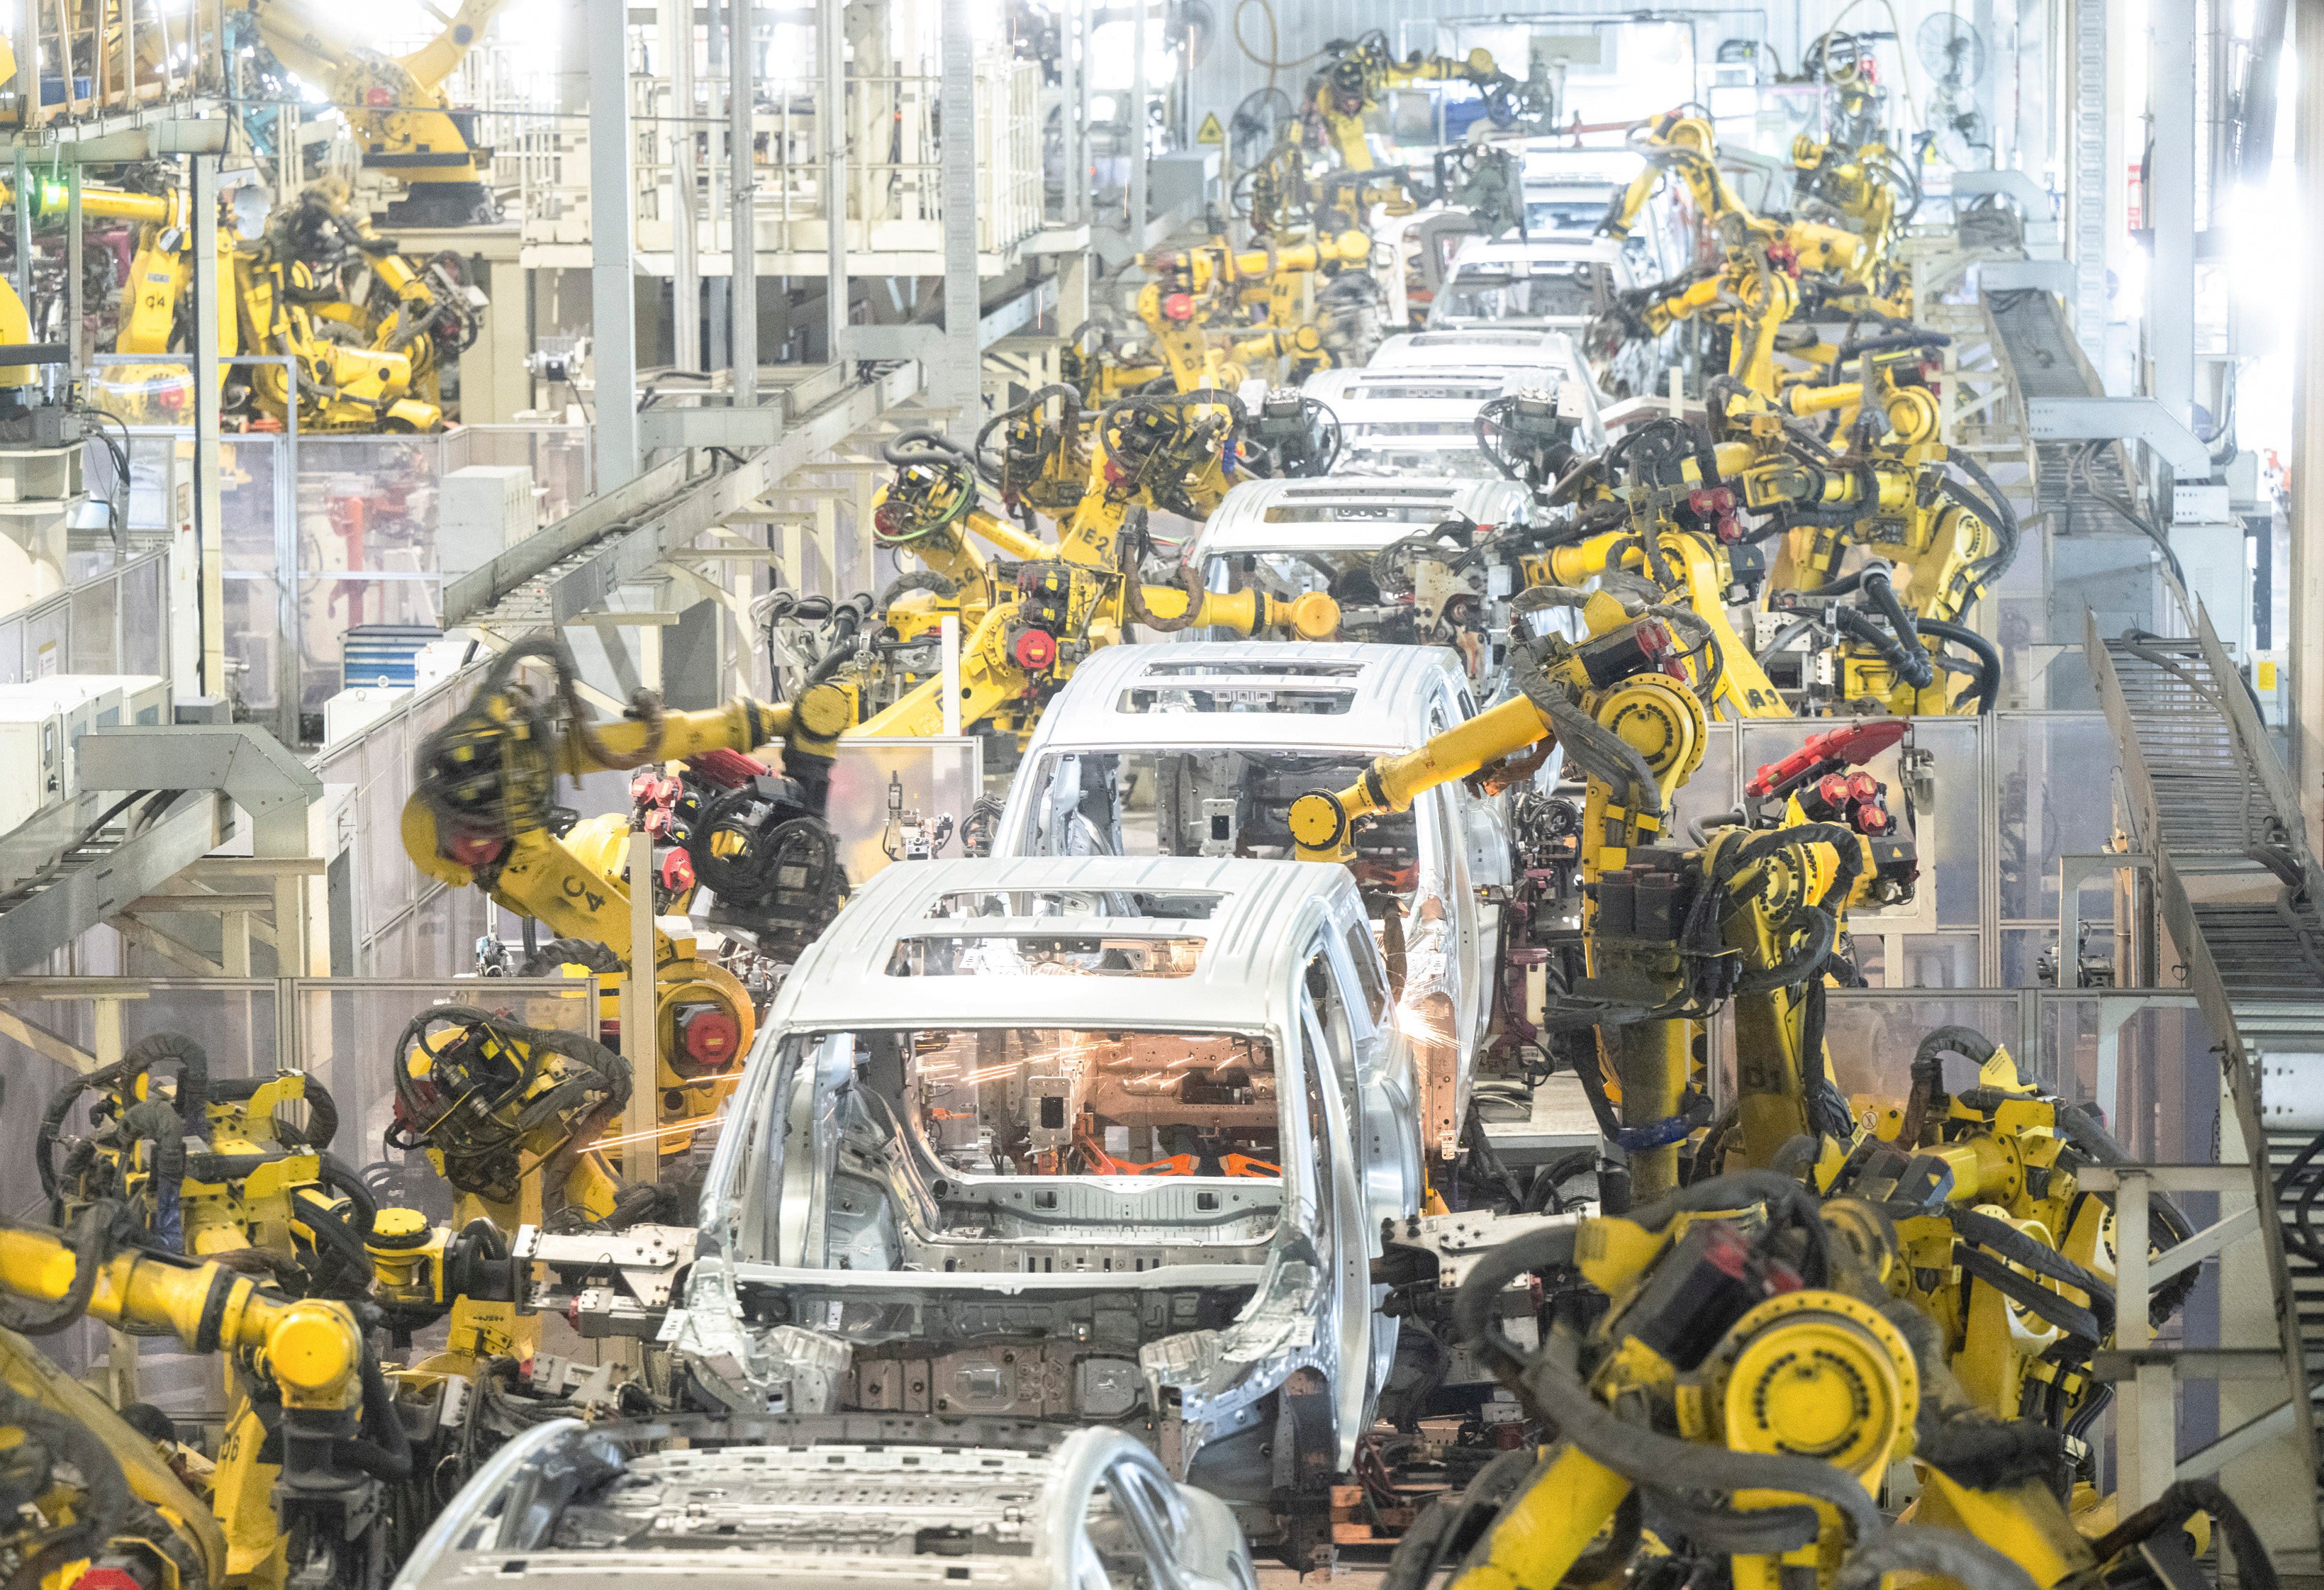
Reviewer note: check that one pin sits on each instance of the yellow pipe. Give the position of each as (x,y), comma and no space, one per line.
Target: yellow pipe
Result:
(1311,617)
(1321,823)
(1012,541)
(50,199)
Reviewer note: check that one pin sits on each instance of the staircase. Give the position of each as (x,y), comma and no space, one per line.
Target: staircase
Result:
(2239,891)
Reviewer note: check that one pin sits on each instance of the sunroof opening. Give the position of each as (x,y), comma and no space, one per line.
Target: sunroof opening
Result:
(1043,954)
(1320,700)
(1270,670)
(1175,906)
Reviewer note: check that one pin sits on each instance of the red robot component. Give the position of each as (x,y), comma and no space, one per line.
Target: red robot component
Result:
(1826,753)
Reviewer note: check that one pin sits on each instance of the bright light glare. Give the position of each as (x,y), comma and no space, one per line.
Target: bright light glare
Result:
(1113,55)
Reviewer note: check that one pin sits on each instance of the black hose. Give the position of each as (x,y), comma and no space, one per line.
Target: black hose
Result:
(383,1450)
(1764,1531)
(1804,961)
(938,451)
(1944,1554)
(1735,1190)
(1473,1304)
(1926,1101)
(2096,1323)
(1661,1463)
(1910,662)
(1988,688)
(333,1234)
(2084,1131)
(2180,1502)
(344,1179)
(929,579)
(106,1503)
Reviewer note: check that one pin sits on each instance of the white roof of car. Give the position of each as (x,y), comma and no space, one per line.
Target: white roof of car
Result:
(1119,700)
(1426,388)
(1258,912)
(1533,357)
(1481,347)
(1347,513)
(1546,252)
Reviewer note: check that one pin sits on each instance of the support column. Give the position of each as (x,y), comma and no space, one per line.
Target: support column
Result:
(28,65)
(210,527)
(1077,29)
(2170,204)
(74,307)
(831,123)
(2087,150)
(953,376)
(614,306)
(2308,435)
(685,268)
(742,58)
(20,206)
(1138,93)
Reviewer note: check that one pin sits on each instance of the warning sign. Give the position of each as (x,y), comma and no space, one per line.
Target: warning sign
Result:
(1209,132)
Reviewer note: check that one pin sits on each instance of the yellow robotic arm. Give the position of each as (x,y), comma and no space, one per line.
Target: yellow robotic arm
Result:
(483,815)
(1350,85)
(305,1505)
(396,105)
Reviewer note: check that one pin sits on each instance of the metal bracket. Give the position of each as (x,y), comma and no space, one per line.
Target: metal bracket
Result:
(2055,276)
(2121,419)
(610,1283)
(2033,202)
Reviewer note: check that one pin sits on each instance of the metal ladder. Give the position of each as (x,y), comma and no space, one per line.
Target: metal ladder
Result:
(2238,890)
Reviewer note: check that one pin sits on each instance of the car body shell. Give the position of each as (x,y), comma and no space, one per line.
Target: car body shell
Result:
(1295,536)
(1541,359)
(863,1504)
(1394,697)
(841,1267)
(1489,281)
(1408,424)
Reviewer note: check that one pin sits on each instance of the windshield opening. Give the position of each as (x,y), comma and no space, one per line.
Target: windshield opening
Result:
(1499,295)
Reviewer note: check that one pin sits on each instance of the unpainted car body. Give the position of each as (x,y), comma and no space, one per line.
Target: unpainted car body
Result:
(1542,360)
(1176,750)
(1403,424)
(857,1502)
(1104,1141)
(1557,283)
(1291,536)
